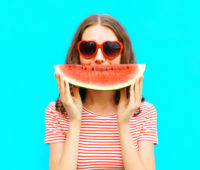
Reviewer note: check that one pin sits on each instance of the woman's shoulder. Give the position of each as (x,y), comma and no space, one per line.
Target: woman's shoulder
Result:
(51,105)
(147,105)
(51,110)
(148,108)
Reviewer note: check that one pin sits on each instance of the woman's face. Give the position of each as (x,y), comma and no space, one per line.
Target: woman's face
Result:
(99,34)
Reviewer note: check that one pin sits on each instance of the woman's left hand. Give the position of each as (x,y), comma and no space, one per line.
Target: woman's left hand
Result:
(127,107)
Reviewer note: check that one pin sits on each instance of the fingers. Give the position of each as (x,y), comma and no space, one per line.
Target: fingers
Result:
(63,87)
(76,92)
(141,83)
(132,93)
(123,94)
(67,91)
(138,89)
(58,80)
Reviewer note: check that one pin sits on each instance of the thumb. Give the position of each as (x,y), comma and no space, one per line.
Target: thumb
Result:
(76,92)
(122,94)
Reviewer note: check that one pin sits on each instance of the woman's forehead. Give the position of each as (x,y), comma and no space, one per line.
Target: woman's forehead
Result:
(99,33)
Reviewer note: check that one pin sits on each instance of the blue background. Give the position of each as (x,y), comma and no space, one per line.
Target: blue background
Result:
(35,35)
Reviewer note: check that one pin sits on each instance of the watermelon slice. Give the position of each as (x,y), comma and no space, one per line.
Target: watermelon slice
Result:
(101,77)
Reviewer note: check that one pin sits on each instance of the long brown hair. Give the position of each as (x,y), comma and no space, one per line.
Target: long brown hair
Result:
(127,55)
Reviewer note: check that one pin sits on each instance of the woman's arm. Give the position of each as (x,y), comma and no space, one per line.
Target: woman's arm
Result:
(73,106)
(68,158)
(133,159)
(130,155)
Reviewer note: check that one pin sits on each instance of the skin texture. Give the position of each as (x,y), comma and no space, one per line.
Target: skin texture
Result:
(63,155)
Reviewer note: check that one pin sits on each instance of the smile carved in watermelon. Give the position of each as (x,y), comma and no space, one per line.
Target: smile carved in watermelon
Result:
(101,77)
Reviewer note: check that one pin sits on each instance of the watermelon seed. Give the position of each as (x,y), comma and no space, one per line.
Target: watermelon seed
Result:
(74,66)
(81,67)
(96,69)
(106,69)
(101,69)
(92,69)
(114,68)
(111,68)
(85,68)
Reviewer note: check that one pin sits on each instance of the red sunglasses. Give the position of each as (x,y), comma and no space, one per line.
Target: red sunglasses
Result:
(110,49)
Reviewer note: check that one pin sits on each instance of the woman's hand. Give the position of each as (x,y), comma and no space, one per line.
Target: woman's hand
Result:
(72,104)
(127,107)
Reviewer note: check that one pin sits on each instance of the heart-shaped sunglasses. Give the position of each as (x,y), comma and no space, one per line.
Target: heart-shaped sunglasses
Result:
(110,49)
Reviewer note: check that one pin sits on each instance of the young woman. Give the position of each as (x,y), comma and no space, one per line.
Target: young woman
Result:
(90,129)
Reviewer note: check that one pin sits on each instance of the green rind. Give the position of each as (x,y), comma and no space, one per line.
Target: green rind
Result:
(95,87)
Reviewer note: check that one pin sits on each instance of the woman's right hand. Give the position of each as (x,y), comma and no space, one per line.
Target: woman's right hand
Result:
(72,103)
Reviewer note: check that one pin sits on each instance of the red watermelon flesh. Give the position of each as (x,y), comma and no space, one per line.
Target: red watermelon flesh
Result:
(101,77)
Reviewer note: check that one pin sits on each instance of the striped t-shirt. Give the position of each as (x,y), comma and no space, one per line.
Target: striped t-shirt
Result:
(99,143)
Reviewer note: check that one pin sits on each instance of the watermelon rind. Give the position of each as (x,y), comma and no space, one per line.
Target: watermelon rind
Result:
(142,68)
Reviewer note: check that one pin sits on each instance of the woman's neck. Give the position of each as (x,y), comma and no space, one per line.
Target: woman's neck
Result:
(99,98)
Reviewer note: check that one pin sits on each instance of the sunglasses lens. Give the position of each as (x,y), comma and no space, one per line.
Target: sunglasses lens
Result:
(87,48)
(111,49)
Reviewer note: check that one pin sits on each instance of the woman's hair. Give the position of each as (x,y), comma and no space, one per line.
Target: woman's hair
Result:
(127,55)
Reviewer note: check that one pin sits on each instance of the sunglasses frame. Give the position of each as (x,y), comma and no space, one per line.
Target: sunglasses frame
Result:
(99,46)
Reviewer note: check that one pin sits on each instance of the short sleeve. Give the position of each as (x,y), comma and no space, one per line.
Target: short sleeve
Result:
(149,130)
(53,130)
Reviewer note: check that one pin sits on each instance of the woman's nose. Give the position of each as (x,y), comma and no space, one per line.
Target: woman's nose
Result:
(99,58)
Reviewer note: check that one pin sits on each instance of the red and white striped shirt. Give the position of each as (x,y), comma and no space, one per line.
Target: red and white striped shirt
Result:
(99,143)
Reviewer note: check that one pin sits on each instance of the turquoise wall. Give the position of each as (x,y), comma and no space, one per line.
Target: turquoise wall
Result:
(35,35)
